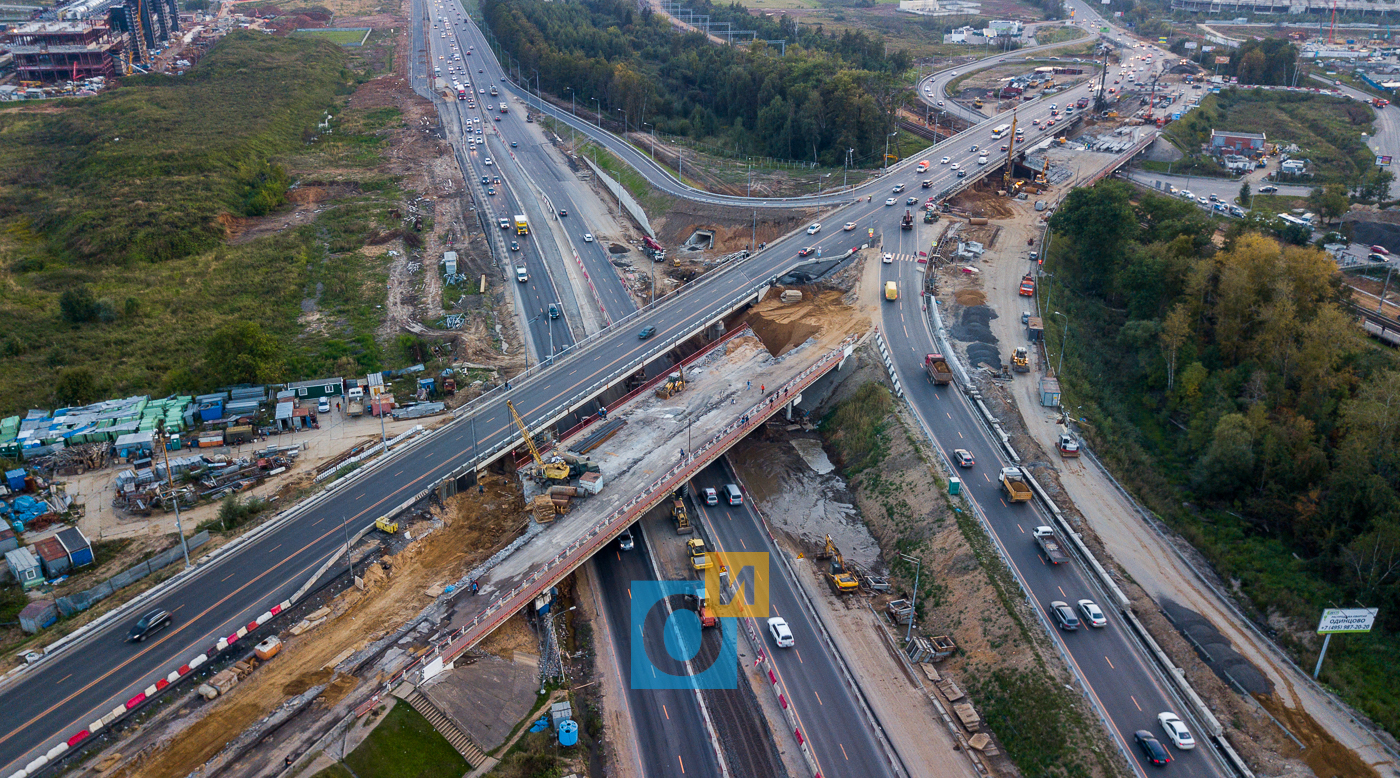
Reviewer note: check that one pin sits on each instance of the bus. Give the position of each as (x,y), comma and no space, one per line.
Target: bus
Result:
(999,131)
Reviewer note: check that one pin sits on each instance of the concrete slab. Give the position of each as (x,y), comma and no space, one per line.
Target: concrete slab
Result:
(486,698)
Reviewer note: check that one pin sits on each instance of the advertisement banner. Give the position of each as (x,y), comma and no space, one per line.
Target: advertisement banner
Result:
(1346,620)
(1222,60)
(1383,161)
(1191,44)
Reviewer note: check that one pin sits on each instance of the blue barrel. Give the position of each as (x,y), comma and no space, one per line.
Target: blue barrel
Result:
(568,732)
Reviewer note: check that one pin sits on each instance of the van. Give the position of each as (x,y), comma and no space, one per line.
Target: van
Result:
(732,493)
(982,160)
(891,291)
(522,275)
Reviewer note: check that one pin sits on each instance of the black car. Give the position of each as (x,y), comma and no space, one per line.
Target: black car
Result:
(1155,752)
(646,332)
(563,212)
(148,625)
(962,173)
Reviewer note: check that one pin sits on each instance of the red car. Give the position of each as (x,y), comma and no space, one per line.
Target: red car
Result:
(1381,250)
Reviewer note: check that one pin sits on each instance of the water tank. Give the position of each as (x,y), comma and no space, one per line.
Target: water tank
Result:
(568,733)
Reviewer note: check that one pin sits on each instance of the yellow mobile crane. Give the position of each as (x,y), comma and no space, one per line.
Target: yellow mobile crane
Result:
(552,471)
(1043,176)
(842,581)
(1010,150)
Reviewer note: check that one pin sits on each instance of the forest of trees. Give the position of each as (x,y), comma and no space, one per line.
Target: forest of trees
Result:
(829,93)
(1231,387)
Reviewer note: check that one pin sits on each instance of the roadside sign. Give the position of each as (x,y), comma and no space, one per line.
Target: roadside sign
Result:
(1383,160)
(1346,620)
(1176,117)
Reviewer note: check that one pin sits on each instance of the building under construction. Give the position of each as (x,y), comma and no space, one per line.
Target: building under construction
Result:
(148,25)
(50,52)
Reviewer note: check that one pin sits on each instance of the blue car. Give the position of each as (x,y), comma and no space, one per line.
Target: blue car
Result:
(646,332)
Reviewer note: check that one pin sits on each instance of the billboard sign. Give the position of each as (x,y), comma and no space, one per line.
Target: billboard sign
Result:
(1346,620)
(1222,60)
(1382,161)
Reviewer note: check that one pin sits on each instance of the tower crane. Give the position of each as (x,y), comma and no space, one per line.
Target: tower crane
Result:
(1010,150)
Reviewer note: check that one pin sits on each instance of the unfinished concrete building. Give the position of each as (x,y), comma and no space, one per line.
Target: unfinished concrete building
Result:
(50,52)
(148,24)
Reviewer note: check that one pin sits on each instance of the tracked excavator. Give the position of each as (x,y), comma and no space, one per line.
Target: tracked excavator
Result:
(841,580)
(549,471)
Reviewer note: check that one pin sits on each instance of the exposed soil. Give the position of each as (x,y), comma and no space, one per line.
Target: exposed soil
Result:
(733,232)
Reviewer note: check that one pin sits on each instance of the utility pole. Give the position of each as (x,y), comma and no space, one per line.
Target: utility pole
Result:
(1064,341)
(913,603)
(174,496)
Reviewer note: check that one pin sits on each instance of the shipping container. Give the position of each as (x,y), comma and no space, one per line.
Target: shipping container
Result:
(53,557)
(77,545)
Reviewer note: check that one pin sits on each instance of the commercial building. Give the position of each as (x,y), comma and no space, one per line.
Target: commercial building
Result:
(51,52)
(1222,141)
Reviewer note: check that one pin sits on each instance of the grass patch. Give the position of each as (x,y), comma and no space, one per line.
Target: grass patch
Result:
(405,745)
(131,197)
(533,755)
(338,37)
(651,200)
(1047,35)
(334,771)
(1326,129)
(856,429)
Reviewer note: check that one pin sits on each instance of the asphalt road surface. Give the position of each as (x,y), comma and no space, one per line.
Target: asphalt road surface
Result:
(1110,661)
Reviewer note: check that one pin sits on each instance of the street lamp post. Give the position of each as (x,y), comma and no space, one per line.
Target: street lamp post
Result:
(1064,339)
(599,112)
(174,497)
(623,111)
(887,150)
(918,566)
(846,167)
(653,139)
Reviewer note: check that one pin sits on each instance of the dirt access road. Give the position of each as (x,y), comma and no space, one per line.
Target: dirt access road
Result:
(1147,552)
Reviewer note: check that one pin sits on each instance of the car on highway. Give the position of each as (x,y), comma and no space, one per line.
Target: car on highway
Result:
(1093,614)
(491,191)
(973,149)
(962,173)
(513,144)
(1005,147)
(1035,122)
(1155,752)
(587,237)
(889,201)
(898,188)
(646,332)
(553,310)
(563,212)
(814,228)
(946,160)
(1064,616)
(148,625)
(497,118)
(940,103)
(848,226)
(625,540)
(954,166)
(887,258)
(807,252)
(963,457)
(782,636)
(514,246)
(1176,730)
(487,162)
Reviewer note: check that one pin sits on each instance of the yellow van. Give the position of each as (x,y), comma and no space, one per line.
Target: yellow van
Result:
(891,291)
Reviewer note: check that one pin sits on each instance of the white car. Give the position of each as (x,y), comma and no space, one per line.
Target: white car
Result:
(778,628)
(587,237)
(946,160)
(849,226)
(953,166)
(889,201)
(814,229)
(1093,614)
(940,103)
(1176,731)
(487,162)
(887,258)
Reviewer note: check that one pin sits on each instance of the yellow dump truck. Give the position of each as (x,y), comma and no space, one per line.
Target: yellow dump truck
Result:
(1013,482)
(699,560)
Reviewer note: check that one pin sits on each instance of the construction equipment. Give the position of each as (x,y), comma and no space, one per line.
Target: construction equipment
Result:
(699,560)
(1020,360)
(1010,150)
(907,223)
(681,518)
(1014,482)
(550,471)
(937,369)
(384,525)
(672,386)
(977,103)
(1027,286)
(842,581)
(1042,176)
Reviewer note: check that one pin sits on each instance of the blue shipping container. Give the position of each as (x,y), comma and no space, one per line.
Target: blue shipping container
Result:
(15,479)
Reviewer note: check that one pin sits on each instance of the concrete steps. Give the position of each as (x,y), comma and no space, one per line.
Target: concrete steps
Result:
(445,727)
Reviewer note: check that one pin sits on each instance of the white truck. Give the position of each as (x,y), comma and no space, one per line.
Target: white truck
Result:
(1050,544)
(355,401)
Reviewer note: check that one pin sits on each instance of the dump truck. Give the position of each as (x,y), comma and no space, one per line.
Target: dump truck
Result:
(1035,329)
(355,401)
(679,515)
(1050,544)
(522,227)
(1013,482)
(699,560)
(1027,285)
(930,216)
(1020,360)
(907,223)
(936,367)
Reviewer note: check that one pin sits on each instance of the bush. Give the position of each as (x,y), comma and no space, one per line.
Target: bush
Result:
(234,512)
(856,428)
(77,305)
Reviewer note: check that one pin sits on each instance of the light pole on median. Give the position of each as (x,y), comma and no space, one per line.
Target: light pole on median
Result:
(653,139)
(599,112)
(623,111)
(887,150)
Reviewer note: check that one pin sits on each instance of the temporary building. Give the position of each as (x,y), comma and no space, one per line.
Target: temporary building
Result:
(53,557)
(37,615)
(25,567)
(76,545)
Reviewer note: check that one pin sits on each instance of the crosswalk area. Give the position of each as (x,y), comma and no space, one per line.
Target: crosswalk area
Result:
(908,258)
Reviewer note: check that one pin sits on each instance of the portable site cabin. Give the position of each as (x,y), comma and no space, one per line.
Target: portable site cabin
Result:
(25,567)
(77,545)
(1050,392)
(37,615)
(315,390)
(8,540)
(53,557)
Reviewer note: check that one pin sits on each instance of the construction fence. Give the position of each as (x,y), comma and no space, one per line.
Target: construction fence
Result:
(77,603)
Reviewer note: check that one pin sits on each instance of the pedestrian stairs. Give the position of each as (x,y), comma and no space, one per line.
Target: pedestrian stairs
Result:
(459,740)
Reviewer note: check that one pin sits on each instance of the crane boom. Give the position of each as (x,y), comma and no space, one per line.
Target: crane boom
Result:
(525,433)
(1010,150)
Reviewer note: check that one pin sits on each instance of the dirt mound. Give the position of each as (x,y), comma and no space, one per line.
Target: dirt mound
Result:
(784,326)
(970,297)
(303,682)
(733,231)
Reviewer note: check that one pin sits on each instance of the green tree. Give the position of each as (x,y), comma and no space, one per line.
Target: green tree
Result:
(1330,202)
(77,305)
(240,352)
(76,386)
(1244,194)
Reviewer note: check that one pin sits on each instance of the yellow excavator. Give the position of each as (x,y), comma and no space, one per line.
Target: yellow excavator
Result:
(672,386)
(551,471)
(842,581)
(1043,176)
